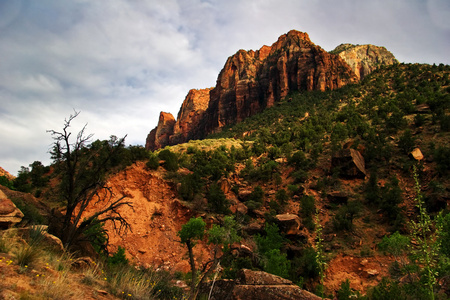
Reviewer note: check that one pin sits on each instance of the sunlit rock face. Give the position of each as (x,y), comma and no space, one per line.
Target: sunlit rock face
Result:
(364,59)
(251,81)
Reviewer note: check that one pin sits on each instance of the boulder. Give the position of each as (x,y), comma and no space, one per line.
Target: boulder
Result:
(256,285)
(289,224)
(350,163)
(10,215)
(239,208)
(338,197)
(416,154)
(47,239)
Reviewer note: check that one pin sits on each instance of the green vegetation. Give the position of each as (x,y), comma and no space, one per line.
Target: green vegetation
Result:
(277,162)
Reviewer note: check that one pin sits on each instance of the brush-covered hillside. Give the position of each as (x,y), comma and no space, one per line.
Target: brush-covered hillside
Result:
(345,193)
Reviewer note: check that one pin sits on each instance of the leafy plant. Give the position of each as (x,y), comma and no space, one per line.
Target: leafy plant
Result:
(118,258)
(426,248)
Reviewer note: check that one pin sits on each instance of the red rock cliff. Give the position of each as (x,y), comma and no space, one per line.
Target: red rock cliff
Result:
(251,81)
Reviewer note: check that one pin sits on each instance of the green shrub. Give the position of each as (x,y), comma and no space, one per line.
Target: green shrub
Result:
(191,185)
(444,238)
(345,292)
(386,290)
(97,237)
(277,263)
(217,200)
(306,265)
(406,142)
(153,162)
(170,160)
(30,212)
(442,157)
(308,209)
(255,199)
(343,220)
(272,240)
(6,182)
(118,258)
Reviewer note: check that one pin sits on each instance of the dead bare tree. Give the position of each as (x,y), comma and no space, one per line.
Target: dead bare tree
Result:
(82,167)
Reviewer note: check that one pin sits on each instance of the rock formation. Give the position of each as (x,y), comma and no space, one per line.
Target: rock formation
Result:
(159,137)
(9,213)
(350,163)
(363,59)
(251,81)
(257,285)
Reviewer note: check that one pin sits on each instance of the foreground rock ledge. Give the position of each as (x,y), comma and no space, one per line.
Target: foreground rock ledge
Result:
(256,285)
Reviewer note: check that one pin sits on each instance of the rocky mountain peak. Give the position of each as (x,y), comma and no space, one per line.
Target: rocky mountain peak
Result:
(252,81)
(363,59)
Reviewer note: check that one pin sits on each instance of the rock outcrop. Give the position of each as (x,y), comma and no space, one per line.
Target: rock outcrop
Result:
(251,81)
(190,115)
(350,163)
(364,59)
(159,137)
(5,173)
(9,213)
(257,285)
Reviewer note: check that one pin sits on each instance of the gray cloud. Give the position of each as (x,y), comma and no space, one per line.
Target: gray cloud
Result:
(121,62)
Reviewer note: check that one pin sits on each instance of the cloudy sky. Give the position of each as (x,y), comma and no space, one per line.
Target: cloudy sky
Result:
(121,62)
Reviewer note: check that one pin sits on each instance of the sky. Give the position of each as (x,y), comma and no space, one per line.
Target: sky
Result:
(120,62)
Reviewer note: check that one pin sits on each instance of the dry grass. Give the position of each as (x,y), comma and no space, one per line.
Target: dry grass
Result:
(132,284)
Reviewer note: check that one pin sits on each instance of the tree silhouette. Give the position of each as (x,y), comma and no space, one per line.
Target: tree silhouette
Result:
(81,168)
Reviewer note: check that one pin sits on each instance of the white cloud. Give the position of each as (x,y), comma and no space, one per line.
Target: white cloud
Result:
(121,62)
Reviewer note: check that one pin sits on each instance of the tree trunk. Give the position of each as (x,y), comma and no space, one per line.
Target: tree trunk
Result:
(193,269)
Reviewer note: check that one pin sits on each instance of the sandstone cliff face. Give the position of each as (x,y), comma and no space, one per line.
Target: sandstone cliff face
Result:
(363,59)
(159,137)
(251,81)
(190,115)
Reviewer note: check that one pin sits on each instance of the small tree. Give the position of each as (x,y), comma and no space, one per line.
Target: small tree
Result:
(82,170)
(193,230)
(220,236)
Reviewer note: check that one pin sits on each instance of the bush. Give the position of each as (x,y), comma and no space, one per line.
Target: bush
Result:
(272,240)
(308,206)
(306,265)
(170,160)
(343,220)
(386,290)
(217,201)
(118,258)
(153,162)
(6,182)
(406,142)
(191,185)
(255,199)
(277,263)
(442,158)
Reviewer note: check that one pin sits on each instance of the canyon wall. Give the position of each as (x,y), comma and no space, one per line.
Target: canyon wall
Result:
(251,81)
